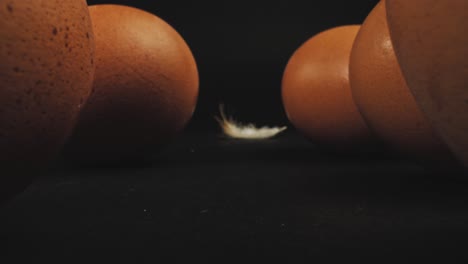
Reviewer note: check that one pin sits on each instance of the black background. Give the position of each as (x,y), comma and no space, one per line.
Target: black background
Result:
(242,47)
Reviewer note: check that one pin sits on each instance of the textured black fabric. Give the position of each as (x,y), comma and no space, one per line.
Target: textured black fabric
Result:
(208,196)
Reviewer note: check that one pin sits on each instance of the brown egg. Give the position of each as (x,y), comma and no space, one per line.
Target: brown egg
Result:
(316,93)
(382,96)
(46,70)
(431,45)
(145,87)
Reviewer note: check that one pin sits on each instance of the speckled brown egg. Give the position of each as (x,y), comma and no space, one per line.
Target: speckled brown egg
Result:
(431,45)
(145,87)
(382,96)
(316,92)
(46,70)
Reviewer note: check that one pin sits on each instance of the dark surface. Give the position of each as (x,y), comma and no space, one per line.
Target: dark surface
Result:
(208,196)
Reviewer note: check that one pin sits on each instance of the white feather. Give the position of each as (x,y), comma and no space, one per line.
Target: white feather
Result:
(234,129)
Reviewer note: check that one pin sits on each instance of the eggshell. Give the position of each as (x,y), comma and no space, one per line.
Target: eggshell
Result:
(382,96)
(431,45)
(316,92)
(46,70)
(145,87)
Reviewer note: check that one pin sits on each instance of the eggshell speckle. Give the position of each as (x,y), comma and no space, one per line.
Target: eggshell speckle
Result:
(382,96)
(46,70)
(431,45)
(316,93)
(145,88)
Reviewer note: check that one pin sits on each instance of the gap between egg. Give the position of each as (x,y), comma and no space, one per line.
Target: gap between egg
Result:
(234,129)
